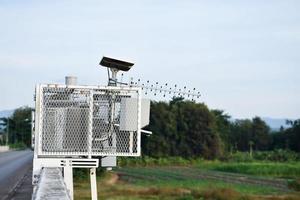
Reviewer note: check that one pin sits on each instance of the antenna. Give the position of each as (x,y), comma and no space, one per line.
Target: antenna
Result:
(165,89)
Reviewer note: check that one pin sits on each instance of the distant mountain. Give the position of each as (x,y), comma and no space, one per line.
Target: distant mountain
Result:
(6,113)
(276,123)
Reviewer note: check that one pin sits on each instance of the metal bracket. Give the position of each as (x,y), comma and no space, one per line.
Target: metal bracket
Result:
(40,163)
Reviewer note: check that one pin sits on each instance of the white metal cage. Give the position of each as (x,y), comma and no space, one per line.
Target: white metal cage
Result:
(87,121)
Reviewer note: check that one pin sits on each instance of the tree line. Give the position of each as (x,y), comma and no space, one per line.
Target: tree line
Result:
(17,127)
(188,129)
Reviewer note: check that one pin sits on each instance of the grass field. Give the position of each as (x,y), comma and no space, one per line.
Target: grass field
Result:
(180,178)
(270,169)
(206,180)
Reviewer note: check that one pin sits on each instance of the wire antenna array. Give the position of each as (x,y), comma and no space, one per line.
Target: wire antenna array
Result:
(166,89)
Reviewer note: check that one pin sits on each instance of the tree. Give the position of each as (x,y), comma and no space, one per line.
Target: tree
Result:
(241,134)
(293,135)
(260,134)
(250,134)
(8,130)
(18,126)
(163,124)
(223,127)
(182,128)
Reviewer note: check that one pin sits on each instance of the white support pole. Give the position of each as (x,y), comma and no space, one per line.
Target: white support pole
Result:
(38,121)
(139,114)
(90,125)
(90,149)
(112,134)
(93,183)
(68,177)
(130,142)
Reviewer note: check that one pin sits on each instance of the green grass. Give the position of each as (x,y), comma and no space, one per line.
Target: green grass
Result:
(161,183)
(260,168)
(157,177)
(149,161)
(270,169)
(180,179)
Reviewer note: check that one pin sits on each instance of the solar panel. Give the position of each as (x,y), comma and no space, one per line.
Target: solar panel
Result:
(117,64)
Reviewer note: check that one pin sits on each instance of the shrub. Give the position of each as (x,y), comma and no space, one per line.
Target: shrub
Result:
(18,146)
(278,155)
(83,173)
(287,170)
(164,161)
(80,173)
(294,184)
(240,157)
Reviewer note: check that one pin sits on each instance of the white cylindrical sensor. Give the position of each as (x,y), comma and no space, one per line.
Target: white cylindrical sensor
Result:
(71,80)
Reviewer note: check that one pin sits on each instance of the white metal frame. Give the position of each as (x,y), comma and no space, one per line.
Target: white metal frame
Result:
(39,121)
(42,159)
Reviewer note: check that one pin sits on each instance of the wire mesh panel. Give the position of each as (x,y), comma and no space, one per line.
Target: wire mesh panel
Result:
(86,121)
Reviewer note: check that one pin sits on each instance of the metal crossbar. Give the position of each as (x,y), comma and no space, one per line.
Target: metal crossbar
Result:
(88,120)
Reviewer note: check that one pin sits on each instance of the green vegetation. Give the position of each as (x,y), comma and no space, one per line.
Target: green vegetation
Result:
(179,178)
(277,155)
(260,168)
(184,178)
(163,161)
(294,184)
(182,128)
(175,183)
(18,146)
(190,130)
(272,169)
(18,127)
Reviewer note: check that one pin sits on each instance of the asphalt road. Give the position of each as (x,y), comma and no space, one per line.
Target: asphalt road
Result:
(14,169)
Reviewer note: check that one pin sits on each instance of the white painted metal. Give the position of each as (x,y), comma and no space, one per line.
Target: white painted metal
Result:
(139,121)
(93,183)
(90,124)
(146,132)
(62,162)
(68,178)
(145,115)
(37,120)
(130,141)
(129,107)
(166,90)
(109,161)
(71,80)
(74,121)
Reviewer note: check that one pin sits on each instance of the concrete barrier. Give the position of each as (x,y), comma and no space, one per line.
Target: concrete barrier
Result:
(4,148)
(51,186)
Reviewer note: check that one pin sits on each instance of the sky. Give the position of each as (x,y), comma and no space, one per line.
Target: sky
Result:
(243,56)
